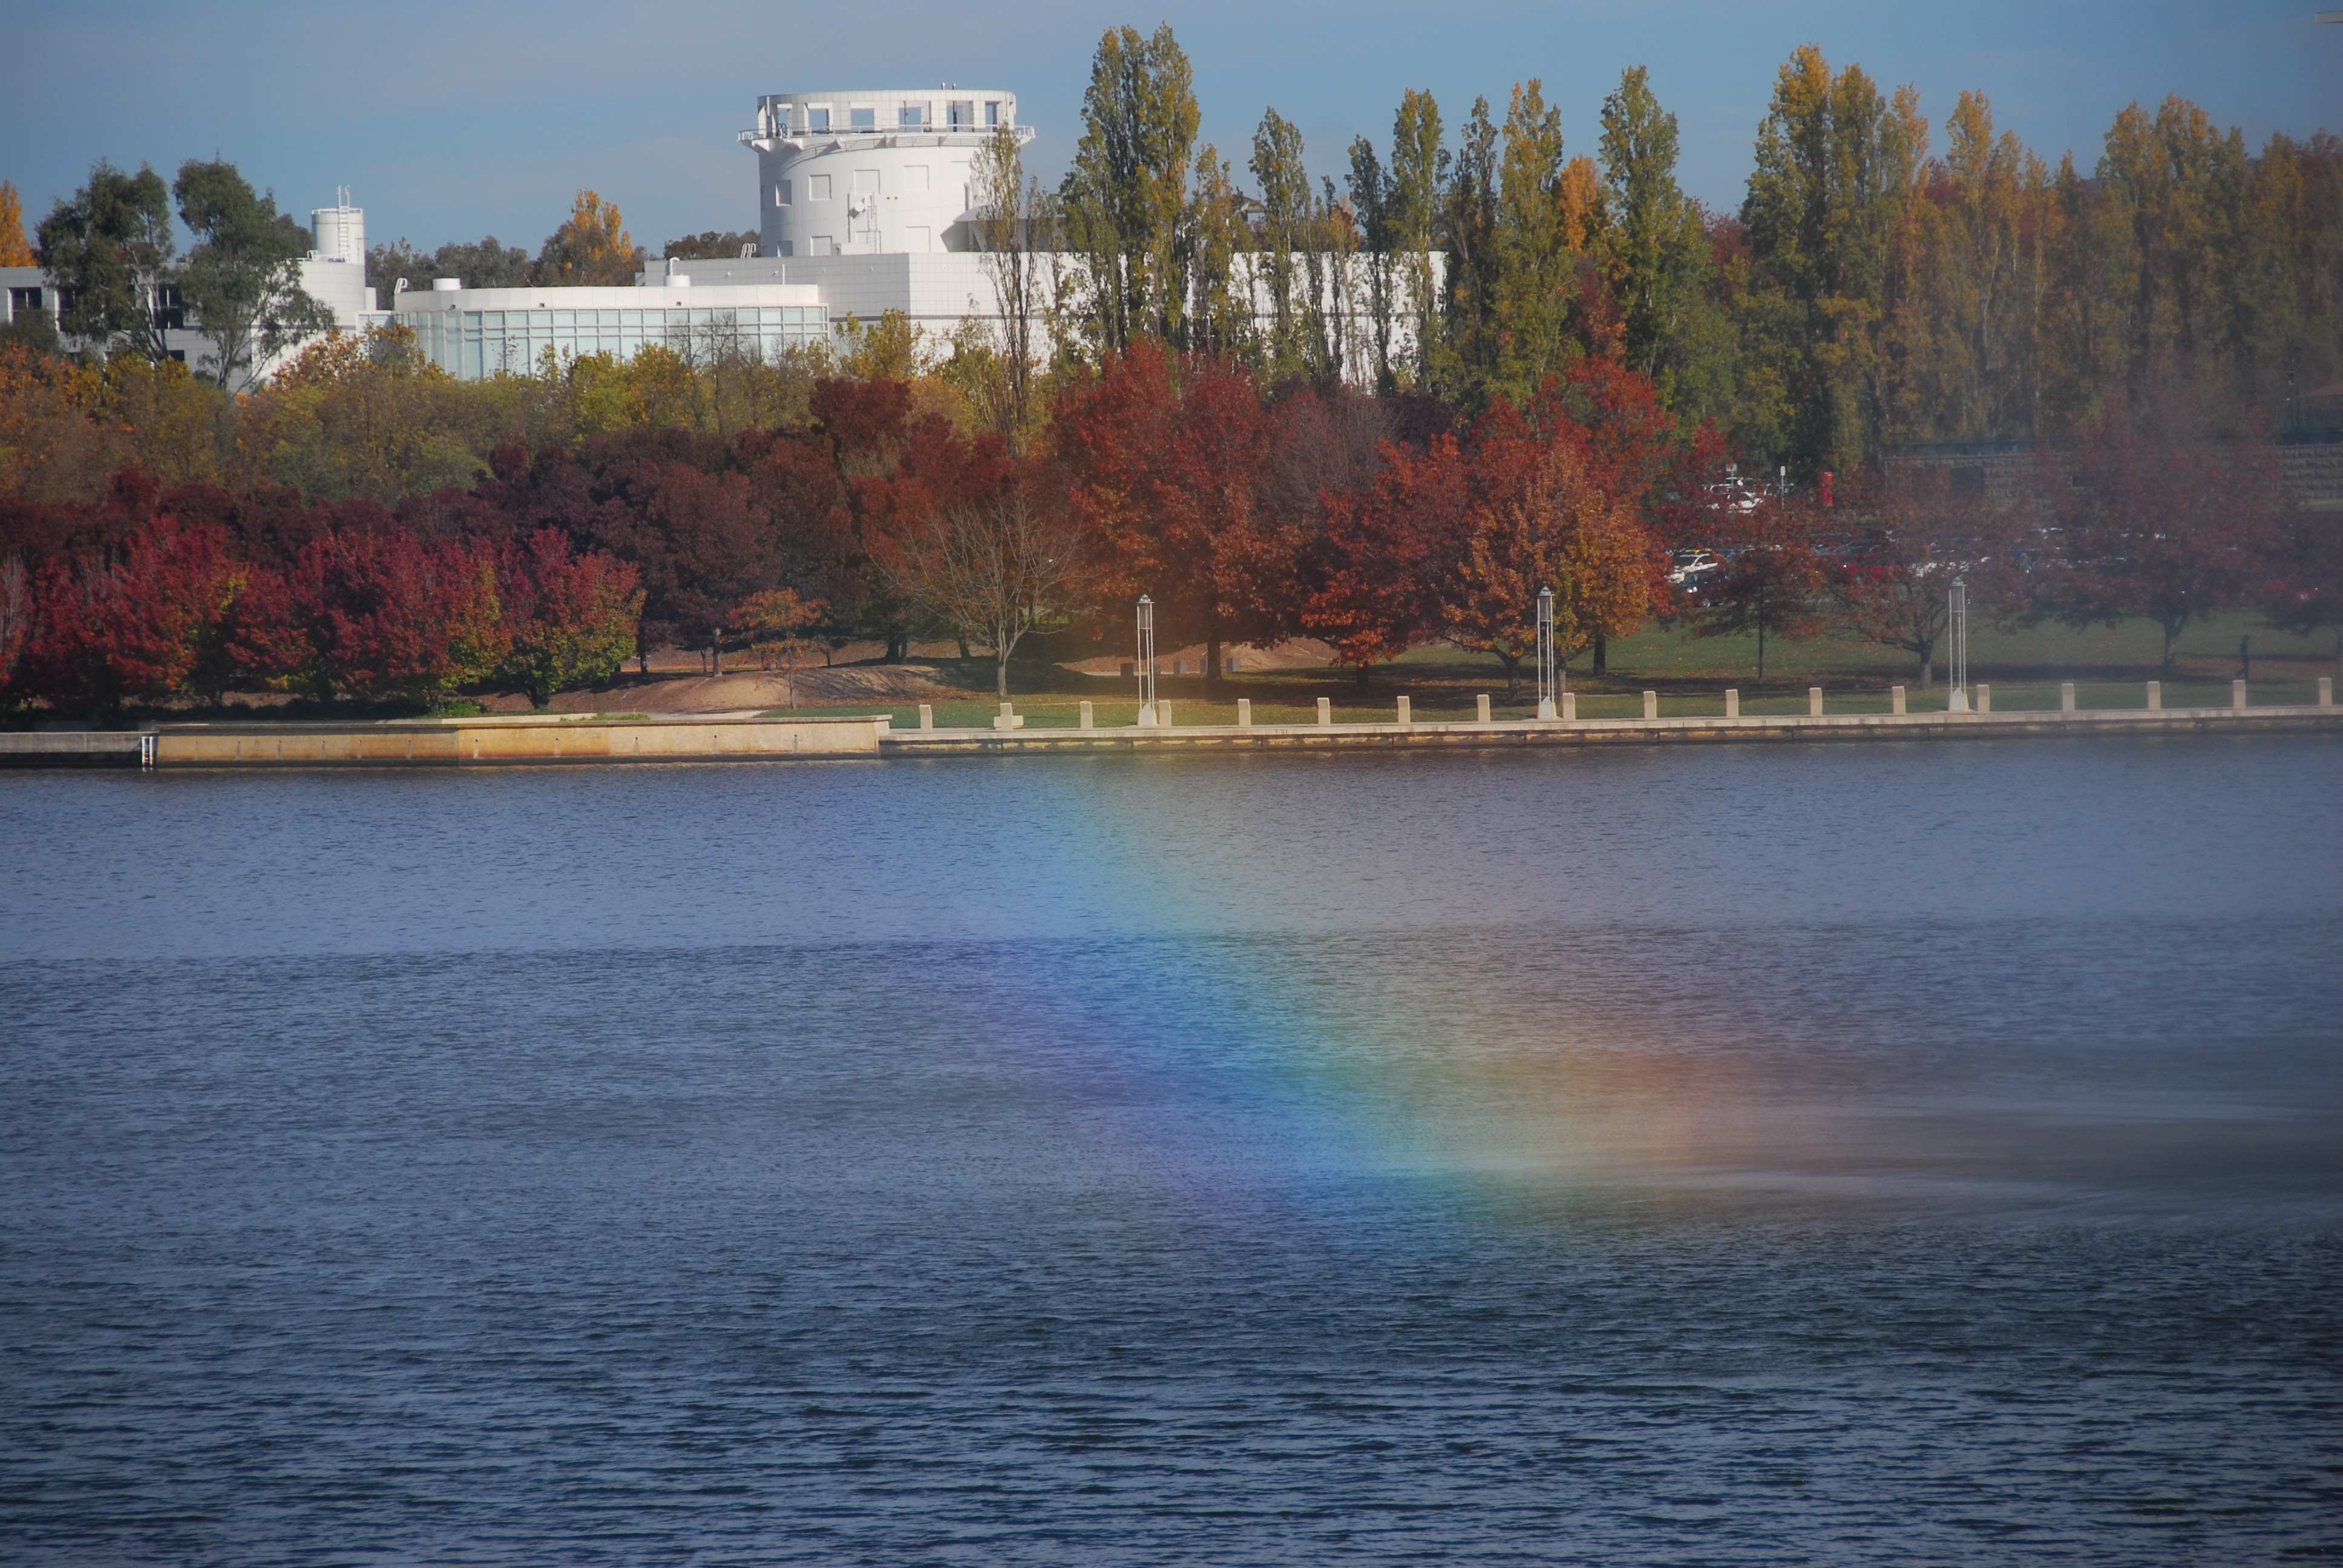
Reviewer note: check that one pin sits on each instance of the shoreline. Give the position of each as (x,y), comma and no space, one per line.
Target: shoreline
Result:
(554,739)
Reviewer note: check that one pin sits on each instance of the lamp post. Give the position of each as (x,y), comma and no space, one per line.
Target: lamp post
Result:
(1146,661)
(1549,687)
(1956,661)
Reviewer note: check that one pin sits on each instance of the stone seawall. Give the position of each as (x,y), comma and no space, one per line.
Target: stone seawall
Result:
(502,741)
(1767,728)
(452,743)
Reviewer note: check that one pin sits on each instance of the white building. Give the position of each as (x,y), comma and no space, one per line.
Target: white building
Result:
(871,171)
(475,332)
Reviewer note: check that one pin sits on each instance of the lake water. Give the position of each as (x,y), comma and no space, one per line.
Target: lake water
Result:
(1863,1154)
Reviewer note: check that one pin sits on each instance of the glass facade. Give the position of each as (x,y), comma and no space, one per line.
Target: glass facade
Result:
(473,344)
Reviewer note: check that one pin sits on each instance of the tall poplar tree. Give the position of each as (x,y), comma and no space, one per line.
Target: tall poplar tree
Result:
(1419,176)
(1659,264)
(1127,192)
(1836,163)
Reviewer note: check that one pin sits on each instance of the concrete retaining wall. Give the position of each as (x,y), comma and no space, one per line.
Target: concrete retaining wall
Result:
(1776,728)
(463,741)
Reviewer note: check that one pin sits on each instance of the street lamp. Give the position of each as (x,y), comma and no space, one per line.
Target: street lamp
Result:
(1957,662)
(1146,662)
(1549,688)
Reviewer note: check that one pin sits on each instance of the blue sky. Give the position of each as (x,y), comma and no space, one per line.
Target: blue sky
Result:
(449,121)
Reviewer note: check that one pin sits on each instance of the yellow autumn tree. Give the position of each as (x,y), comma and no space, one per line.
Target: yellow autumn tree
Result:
(14,251)
(592,247)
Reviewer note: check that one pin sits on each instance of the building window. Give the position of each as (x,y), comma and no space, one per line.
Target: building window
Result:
(862,119)
(818,119)
(20,300)
(960,117)
(781,193)
(991,114)
(911,116)
(818,187)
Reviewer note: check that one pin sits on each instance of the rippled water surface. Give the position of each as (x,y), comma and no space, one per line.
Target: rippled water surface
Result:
(1876,1154)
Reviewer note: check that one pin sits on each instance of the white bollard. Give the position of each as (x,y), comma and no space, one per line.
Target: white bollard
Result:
(2156,697)
(1985,699)
(1480,708)
(1651,705)
(1570,708)
(1163,713)
(1895,700)
(1404,718)
(1008,719)
(1731,702)
(927,716)
(1325,710)
(1244,713)
(2236,697)
(1813,702)
(2325,691)
(1088,717)
(2066,697)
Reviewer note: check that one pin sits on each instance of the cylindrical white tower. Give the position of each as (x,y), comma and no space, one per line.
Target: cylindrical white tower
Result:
(871,171)
(339,232)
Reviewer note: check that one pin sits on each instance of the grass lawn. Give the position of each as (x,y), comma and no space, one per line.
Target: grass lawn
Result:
(2109,666)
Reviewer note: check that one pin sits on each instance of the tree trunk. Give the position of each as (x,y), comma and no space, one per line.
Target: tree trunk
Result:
(1513,676)
(1927,667)
(1000,676)
(1213,659)
(1760,656)
(897,647)
(1602,654)
(716,651)
(1363,678)
(2171,635)
(964,655)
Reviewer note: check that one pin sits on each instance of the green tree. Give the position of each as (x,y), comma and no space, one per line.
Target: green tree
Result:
(1836,164)
(713,245)
(242,280)
(1220,305)
(1370,190)
(106,246)
(1469,225)
(1127,192)
(1287,210)
(1660,263)
(1418,175)
(1536,263)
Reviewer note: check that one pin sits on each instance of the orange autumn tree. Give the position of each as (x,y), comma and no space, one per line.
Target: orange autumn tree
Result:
(1539,518)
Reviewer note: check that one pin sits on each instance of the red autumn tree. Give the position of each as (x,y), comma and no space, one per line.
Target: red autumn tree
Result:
(1775,576)
(1910,534)
(571,619)
(2157,522)
(390,616)
(1165,459)
(1379,563)
(1539,519)
(2303,593)
(143,623)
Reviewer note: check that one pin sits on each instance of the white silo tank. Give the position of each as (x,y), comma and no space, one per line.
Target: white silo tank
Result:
(340,233)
